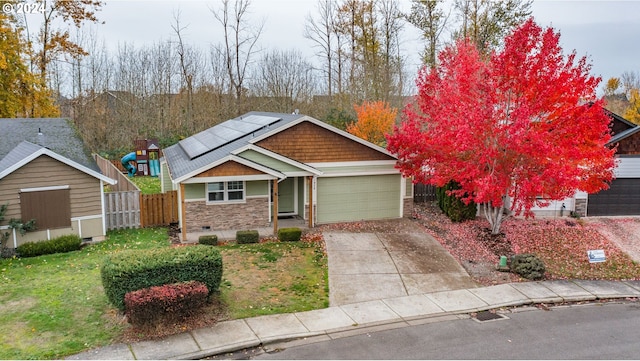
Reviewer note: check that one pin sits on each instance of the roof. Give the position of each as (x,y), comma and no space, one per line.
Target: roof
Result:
(57,134)
(197,153)
(26,151)
(633,128)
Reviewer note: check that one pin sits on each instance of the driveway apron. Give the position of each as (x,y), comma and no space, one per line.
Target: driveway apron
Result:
(373,266)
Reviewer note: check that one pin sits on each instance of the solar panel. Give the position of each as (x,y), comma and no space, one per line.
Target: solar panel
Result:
(224,133)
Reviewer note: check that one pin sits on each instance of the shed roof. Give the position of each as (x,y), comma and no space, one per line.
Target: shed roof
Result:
(56,134)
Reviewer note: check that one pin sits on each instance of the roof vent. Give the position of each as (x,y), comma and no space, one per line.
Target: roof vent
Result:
(41,141)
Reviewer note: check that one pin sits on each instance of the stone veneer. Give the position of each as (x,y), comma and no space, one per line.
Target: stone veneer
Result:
(251,214)
(581,207)
(407,207)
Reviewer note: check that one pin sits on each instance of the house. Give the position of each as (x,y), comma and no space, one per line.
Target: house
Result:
(248,171)
(47,175)
(623,196)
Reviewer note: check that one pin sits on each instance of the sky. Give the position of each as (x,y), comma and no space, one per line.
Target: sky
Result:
(607,32)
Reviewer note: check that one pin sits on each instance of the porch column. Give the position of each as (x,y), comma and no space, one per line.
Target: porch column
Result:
(310,201)
(275,207)
(183,213)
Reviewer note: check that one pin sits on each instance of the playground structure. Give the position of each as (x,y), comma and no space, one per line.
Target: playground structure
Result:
(146,156)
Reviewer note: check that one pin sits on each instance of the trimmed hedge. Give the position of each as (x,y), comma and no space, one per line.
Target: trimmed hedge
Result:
(452,206)
(210,240)
(133,270)
(168,302)
(292,234)
(244,237)
(62,244)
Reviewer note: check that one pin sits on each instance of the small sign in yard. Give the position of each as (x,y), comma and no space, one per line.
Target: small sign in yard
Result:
(596,255)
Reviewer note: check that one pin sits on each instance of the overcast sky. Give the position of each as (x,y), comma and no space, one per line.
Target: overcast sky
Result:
(605,31)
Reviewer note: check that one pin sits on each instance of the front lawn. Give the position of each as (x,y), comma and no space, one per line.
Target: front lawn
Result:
(54,305)
(561,243)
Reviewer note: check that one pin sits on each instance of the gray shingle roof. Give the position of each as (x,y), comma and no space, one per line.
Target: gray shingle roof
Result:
(57,135)
(181,164)
(21,151)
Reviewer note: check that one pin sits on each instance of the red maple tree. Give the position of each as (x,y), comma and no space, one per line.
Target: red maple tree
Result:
(524,123)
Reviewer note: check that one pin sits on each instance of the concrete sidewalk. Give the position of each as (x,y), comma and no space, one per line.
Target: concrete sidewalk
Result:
(357,318)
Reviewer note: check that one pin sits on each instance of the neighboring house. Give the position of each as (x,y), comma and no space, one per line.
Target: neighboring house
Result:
(623,196)
(247,171)
(47,175)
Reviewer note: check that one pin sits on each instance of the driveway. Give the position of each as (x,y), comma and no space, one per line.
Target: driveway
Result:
(373,266)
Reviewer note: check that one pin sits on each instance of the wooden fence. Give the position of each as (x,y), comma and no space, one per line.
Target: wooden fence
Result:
(109,169)
(159,209)
(424,192)
(122,209)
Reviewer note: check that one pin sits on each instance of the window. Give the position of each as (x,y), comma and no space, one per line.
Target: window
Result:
(51,208)
(225,191)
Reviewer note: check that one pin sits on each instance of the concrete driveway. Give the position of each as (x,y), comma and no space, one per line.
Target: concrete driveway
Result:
(372,266)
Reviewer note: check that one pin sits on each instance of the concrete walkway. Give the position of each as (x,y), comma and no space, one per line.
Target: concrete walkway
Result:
(346,320)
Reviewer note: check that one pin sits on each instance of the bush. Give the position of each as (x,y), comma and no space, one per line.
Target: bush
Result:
(168,302)
(133,270)
(244,237)
(62,244)
(527,265)
(210,240)
(292,234)
(452,206)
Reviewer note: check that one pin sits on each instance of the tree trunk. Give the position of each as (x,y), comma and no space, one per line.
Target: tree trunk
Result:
(494,215)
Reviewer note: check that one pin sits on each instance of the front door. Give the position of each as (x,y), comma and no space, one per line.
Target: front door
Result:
(286,197)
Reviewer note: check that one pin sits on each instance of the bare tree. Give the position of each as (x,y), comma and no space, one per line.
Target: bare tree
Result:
(320,31)
(430,18)
(240,39)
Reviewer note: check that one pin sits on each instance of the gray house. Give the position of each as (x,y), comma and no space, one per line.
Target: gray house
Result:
(248,171)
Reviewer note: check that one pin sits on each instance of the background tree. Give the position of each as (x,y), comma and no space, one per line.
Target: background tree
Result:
(375,121)
(632,113)
(22,94)
(486,22)
(519,125)
(53,41)
(430,18)
(240,39)
(615,98)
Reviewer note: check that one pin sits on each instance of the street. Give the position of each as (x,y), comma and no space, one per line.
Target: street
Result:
(590,331)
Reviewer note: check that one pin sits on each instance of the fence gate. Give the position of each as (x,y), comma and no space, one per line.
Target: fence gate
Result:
(159,209)
(122,209)
(424,193)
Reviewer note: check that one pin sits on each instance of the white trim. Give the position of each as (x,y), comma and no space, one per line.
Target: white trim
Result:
(230,157)
(253,177)
(86,218)
(356,174)
(104,210)
(4,227)
(253,197)
(269,195)
(58,157)
(403,190)
(48,234)
(195,200)
(43,189)
(225,193)
(295,195)
(354,163)
(15,238)
(325,126)
(299,174)
(279,157)
(79,228)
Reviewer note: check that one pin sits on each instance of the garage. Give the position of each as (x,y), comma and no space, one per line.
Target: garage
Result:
(621,199)
(344,199)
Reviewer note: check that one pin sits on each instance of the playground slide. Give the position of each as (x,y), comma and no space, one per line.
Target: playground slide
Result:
(131,170)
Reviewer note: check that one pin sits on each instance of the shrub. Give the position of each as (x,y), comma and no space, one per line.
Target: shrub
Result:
(292,234)
(210,240)
(62,244)
(168,302)
(133,270)
(244,237)
(452,206)
(527,265)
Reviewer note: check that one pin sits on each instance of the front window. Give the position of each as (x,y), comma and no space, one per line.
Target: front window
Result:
(225,191)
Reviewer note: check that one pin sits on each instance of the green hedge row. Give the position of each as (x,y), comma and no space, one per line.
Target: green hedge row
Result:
(452,206)
(292,234)
(244,237)
(66,243)
(210,240)
(133,270)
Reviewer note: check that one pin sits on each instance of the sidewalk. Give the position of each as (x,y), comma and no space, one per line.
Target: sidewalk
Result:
(357,318)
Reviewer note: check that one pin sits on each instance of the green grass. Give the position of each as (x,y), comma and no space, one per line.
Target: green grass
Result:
(54,305)
(147,184)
